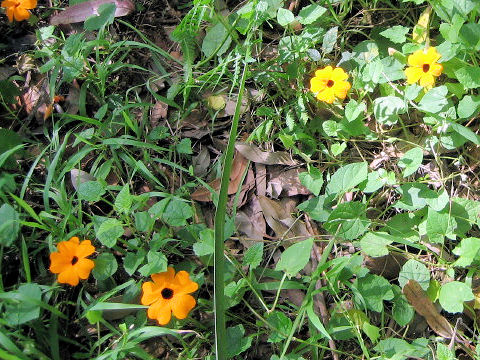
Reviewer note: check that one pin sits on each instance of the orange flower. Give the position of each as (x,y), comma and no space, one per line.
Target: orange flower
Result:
(423,66)
(18,9)
(70,261)
(329,83)
(169,293)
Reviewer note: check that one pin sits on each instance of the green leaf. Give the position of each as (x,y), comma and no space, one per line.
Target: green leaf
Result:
(329,40)
(19,312)
(9,225)
(109,231)
(253,256)
(465,132)
(284,17)
(143,221)
(106,15)
(468,106)
(313,317)
(444,352)
(337,148)
(414,196)
(206,244)
(468,76)
(386,109)
(10,143)
(347,177)
(132,261)
(311,13)
(282,325)
(295,257)
(440,224)
(434,100)
(91,191)
(353,110)
(414,270)
(93,316)
(411,161)
(375,243)
(184,146)
(214,38)
(374,290)
(173,211)
(467,251)
(105,266)
(371,331)
(123,202)
(352,218)
(402,311)
(399,349)
(156,263)
(312,180)
(236,343)
(396,34)
(319,208)
(453,295)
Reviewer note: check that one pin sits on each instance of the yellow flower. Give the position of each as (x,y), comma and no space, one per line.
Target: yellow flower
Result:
(169,293)
(329,83)
(18,9)
(423,66)
(71,262)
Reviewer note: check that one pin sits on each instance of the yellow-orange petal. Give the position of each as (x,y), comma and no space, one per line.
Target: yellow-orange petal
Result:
(431,56)
(59,262)
(29,4)
(166,277)
(339,75)
(317,84)
(69,276)
(436,69)
(325,73)
(183,284)
(341,88)
(413,74)
(68,247)
(84,249)
(83,268)
(150,293)
(427,80)
(161,311)
(21,14)
(8,3)
(182,304)
(416,59)
(327,95)
(10,11)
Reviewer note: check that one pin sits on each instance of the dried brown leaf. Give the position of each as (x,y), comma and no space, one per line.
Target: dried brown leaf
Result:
(425,307)
(159,111)
(388,266)
(201,162)
(251,222)
(79,12)
(287,183)
(253,153)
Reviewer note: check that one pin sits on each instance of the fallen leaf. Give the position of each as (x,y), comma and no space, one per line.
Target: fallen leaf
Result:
(201,162)
(261,179)
(250,221)
(79,12)
(422,304)
(388,266)
(286,183)
(253,153)
(238,167)
(36,100)
(159,111)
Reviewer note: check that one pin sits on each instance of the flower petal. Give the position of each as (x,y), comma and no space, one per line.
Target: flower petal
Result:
(83,268)
(150,293)
(327,95)
(417,58)
(325,73)
(183,284)
(436,69)
(21,14)
(341,88)
(317,84)
(67,247)
(68,276)
(432,56)
(338,75)
(84,249)
(29,4)
(10,11)
(8,3)
(427,80)
(182,304)
(161,311)
(164,278)
(413,74)
(59,262)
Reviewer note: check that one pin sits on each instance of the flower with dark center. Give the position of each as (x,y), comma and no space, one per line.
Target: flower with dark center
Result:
(18,9)
(423,67)
(330,83)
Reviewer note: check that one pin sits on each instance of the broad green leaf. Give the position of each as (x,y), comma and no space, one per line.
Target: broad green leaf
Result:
(353,110)
(215,38)
(396,34)
(91,191)
(438,203)
(444,352)
(143,221)
(467,251)
(109,231)
(347,177)
(20,311)
(411,161)
(313,317)
(236,342)
(10,143)
(351,217)
(312,180)
(206,244)
(282,325)
(465,132)
(329,40)
(468,76)
(414,196)
(285,17)
(295,257)
(319,208)
(254,255)
(337,148)
(434,100)
(184,146)
(386,109)
(9,225)
(173,211)
(468,106)
(132,261)
(105,266)
(123,202)
(156,263)
(374,290)
(440,224)
(375,243)
(106,15)
(371,331)
(399,349)
(311,13)
(414,270)
(402,311)
(453,295)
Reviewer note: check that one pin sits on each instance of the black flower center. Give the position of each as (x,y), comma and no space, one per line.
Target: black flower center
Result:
(426,67)
(167,293)
(74,260)
(330,83)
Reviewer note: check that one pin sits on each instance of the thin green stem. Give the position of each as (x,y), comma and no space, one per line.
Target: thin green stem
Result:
(278,292)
